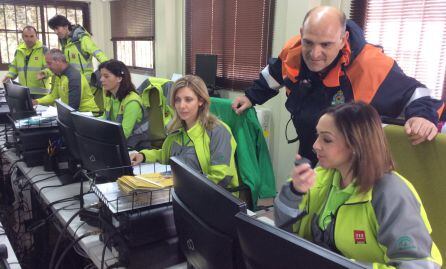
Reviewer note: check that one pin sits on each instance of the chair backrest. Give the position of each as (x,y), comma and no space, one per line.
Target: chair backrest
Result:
(252,156)
(156,132)
(423,166)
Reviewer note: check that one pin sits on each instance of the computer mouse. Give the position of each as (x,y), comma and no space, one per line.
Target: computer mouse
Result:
(302,161)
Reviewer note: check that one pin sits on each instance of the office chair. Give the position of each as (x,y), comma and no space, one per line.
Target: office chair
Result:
(157,132)
(423,165)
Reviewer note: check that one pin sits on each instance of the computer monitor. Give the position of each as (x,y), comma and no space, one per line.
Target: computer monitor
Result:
(204,217)
(66,127)
(102,147)
(206,68)
(265,246)
(19,101)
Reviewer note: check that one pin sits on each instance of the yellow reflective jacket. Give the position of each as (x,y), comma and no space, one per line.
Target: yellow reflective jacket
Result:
(73,89)
(28,63)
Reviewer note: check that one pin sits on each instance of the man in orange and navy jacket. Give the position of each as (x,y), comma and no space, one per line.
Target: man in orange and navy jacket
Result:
(330,63)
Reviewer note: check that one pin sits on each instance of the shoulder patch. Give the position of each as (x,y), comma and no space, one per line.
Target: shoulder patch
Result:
(405,242)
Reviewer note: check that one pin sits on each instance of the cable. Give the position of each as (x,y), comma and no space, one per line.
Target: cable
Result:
(105,247)
(37,181)
(74,235)
(61,201)
(71,245)
(59,238)
(49,186)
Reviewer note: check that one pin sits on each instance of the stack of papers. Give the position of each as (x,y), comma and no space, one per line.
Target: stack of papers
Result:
(116,200)
(145,182)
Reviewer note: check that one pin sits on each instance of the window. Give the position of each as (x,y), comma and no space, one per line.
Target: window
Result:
(15,15)
(133,33)
(412,32)
(239,32)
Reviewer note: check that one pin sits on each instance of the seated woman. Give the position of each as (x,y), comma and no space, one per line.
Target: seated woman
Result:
(196,136)
(354,203)
(122,103)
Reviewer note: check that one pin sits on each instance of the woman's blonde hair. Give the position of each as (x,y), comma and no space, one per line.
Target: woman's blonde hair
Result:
(360,125)
(196,84)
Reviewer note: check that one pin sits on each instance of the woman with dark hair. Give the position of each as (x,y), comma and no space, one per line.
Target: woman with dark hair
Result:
(196,136)
(354,203)
(122,103)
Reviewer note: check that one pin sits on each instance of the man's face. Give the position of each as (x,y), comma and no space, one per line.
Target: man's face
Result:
(29,37)
(321,44)
(54,66)
(62,31)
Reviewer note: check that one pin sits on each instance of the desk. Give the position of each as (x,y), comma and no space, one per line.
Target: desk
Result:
(92,246)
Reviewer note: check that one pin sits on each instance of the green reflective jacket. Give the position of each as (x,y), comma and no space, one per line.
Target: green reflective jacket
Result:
(28,63)
(73,89)
(214,150)
(387,227)
(134,121)
(157,84)
(79,49)
(253,159)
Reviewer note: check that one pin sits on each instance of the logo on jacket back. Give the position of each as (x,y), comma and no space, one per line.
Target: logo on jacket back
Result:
(36,58)
(359,237)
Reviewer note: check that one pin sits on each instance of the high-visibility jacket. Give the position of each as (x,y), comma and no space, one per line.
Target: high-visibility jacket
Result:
(386,227)
(252,155)
(361,72)
(28,63)
(135,124)
(208,151)
(161,85)
(73,89)
(79,50)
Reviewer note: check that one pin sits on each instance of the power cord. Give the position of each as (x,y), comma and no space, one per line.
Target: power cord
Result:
(59,238)
(62,256)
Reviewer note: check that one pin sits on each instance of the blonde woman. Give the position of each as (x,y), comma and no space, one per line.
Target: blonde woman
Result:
(196,136)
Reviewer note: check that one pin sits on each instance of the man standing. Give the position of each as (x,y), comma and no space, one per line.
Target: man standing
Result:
(29,61)
(68,84)
(77,45)
(330,63)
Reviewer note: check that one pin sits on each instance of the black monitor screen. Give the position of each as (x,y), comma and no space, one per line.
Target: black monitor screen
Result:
(19,101)
(265,246)
(102,147)
(66,127)
(206,68)
(204,216)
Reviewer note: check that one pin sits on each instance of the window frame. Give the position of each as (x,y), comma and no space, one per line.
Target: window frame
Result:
(226,77)
(359,13)
(43,5)
(133,68)
(143,29)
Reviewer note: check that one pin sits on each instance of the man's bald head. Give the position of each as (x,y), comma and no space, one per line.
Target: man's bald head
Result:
(326,14)
(323,34)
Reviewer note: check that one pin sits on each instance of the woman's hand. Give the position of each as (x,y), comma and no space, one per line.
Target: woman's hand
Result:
(136,158)
(303,176)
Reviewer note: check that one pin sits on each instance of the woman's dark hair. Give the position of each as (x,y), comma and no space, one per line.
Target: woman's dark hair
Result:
(119,69)
(59,20)
(361,128)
